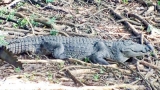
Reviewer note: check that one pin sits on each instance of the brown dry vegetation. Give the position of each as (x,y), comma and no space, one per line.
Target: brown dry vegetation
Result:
(105,19)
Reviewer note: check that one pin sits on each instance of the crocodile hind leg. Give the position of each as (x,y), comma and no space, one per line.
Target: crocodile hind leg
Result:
(101,52)
(54,48)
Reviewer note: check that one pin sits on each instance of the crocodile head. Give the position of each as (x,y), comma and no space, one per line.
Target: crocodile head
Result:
(7,56)
(128,49)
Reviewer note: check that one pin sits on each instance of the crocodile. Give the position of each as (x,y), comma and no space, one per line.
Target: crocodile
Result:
(61,47)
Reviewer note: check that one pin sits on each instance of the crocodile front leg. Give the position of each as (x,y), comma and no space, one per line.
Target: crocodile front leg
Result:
(54,48)
(98,58)
(101,52)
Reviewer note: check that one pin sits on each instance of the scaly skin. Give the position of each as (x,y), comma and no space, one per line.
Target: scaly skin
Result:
(79,47)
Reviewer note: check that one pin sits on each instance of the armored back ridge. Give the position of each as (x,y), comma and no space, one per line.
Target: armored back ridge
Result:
(79,47)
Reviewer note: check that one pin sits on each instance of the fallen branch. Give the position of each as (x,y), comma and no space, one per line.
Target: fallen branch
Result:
(41,61)
(149,65)
(45,21)
(139,18)
(135,32)
(74,78)
(8,19)
(13,29)
(43,85)
(114,66)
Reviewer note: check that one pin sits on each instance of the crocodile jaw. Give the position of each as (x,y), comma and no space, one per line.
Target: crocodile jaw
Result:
(136,50)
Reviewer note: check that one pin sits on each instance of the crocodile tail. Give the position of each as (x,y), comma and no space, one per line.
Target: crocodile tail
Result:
(7,56)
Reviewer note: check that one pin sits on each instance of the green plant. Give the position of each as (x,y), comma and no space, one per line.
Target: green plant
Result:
(86,59)
(142,28)
(62,64)
(50,75)
(102,69)
(15,25)
(31,77)
(32,20)
(96,77)
(19,4)
(159,2)
(11,15)
(3,11)
(2,41)
(125,1)
(22,22)
(17,70)
(56,81)
(26,75)
(153,52)
(77,11)
(52,20)
(53,32)
(1,21)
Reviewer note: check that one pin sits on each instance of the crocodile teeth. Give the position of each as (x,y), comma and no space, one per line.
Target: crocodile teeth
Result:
(8,56)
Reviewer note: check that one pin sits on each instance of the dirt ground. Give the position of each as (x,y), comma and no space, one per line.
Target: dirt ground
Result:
(137,20)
